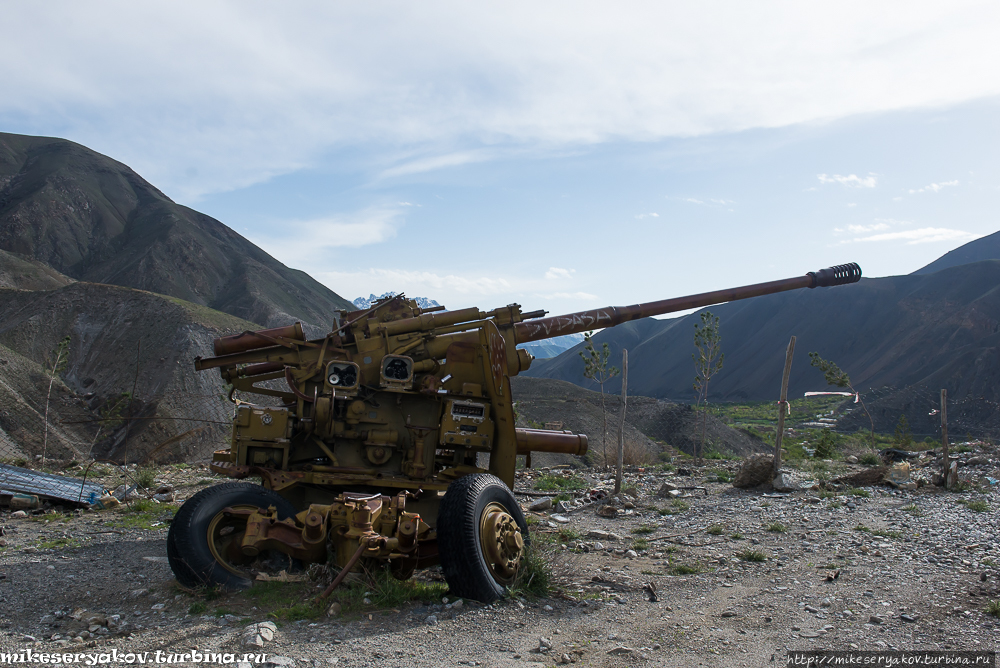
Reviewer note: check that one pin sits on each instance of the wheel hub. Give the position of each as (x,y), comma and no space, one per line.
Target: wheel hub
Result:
(503,544)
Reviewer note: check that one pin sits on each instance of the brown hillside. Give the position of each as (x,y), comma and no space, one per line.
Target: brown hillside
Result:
(94,219)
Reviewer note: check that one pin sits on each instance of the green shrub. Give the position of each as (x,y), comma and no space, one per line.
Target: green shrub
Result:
(870,459)
(777,527)
(715,530)
(751,554)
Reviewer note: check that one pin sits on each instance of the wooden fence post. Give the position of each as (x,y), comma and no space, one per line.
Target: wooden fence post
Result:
(621,426)
(944,437)
(783,405)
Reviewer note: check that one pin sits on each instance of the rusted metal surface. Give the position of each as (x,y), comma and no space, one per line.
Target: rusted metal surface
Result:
(239,343)
(574,323)
(541,440)
(396,400)
(16,480)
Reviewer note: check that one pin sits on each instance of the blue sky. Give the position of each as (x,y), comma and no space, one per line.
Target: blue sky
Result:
(563,156)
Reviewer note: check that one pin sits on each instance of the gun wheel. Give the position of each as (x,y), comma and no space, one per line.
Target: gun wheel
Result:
(482,537)
(203,545)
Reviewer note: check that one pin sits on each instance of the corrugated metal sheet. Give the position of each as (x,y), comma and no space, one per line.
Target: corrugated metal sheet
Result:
(15,480)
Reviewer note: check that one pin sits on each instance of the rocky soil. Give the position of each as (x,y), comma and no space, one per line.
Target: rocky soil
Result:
(869,568)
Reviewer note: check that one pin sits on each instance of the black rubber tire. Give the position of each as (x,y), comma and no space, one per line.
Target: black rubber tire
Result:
(188,550)
(458,527)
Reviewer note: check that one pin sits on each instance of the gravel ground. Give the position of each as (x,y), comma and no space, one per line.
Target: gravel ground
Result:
(915,570)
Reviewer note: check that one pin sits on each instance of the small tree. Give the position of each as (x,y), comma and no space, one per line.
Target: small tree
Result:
(826,446)
(903,438)
(58,366)
(595,368)
(835,376)
(707,363)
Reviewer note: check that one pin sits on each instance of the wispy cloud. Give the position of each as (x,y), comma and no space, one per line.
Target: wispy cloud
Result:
(581,296)
(934,187)
(709,202)
(245,91)
(556,273)
(920,236)
(640,216)
(852,180)
(861,229)
(304,243)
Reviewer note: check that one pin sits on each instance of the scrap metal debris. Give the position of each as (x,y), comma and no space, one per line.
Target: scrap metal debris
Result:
(16,480)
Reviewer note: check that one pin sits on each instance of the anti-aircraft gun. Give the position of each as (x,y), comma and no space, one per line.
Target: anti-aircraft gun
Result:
(392,438)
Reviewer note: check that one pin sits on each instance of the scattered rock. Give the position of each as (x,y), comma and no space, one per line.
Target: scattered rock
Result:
(909,618)
(631,554)
(607,511)
(255,635)
(755,470)
(621,651)
(431,620)
(874,619)
(18,514)
(851,459)
(783,482)
(541,504)
(665,490)
(562,519)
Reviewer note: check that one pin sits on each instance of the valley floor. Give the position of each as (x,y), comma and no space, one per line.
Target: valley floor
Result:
(916,572)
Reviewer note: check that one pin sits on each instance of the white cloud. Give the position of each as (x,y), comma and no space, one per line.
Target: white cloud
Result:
(852,180)
(582,296)
(920,236)
(307,243)
(692,200)
(555,273)
(861,229)
(203,97)
(851,205)
(640,216)
(934,187)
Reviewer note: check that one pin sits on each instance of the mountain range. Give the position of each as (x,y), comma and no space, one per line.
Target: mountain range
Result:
(937,328)
(106,278)
(93,219)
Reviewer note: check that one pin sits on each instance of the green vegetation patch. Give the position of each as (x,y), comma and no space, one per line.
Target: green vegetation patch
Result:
(751,554)
(549,482)
(777,527)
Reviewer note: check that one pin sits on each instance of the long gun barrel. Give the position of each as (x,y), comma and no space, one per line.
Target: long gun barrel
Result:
(574,323)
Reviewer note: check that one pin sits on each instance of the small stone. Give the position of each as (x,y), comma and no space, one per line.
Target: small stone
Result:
(565,659)
(18,514)
(431,620)
(811,609)
(548,608)
(158,606)
(631,554)
(809,634)
(541,504)
(851,459)
(909,618)
(562,519)
(729,613)
(457,604)
(621,651)
(607,511)
(665,489)
(874,619)
(628,505)
(366,601)
(334,609)
(544,644)
(28,638)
